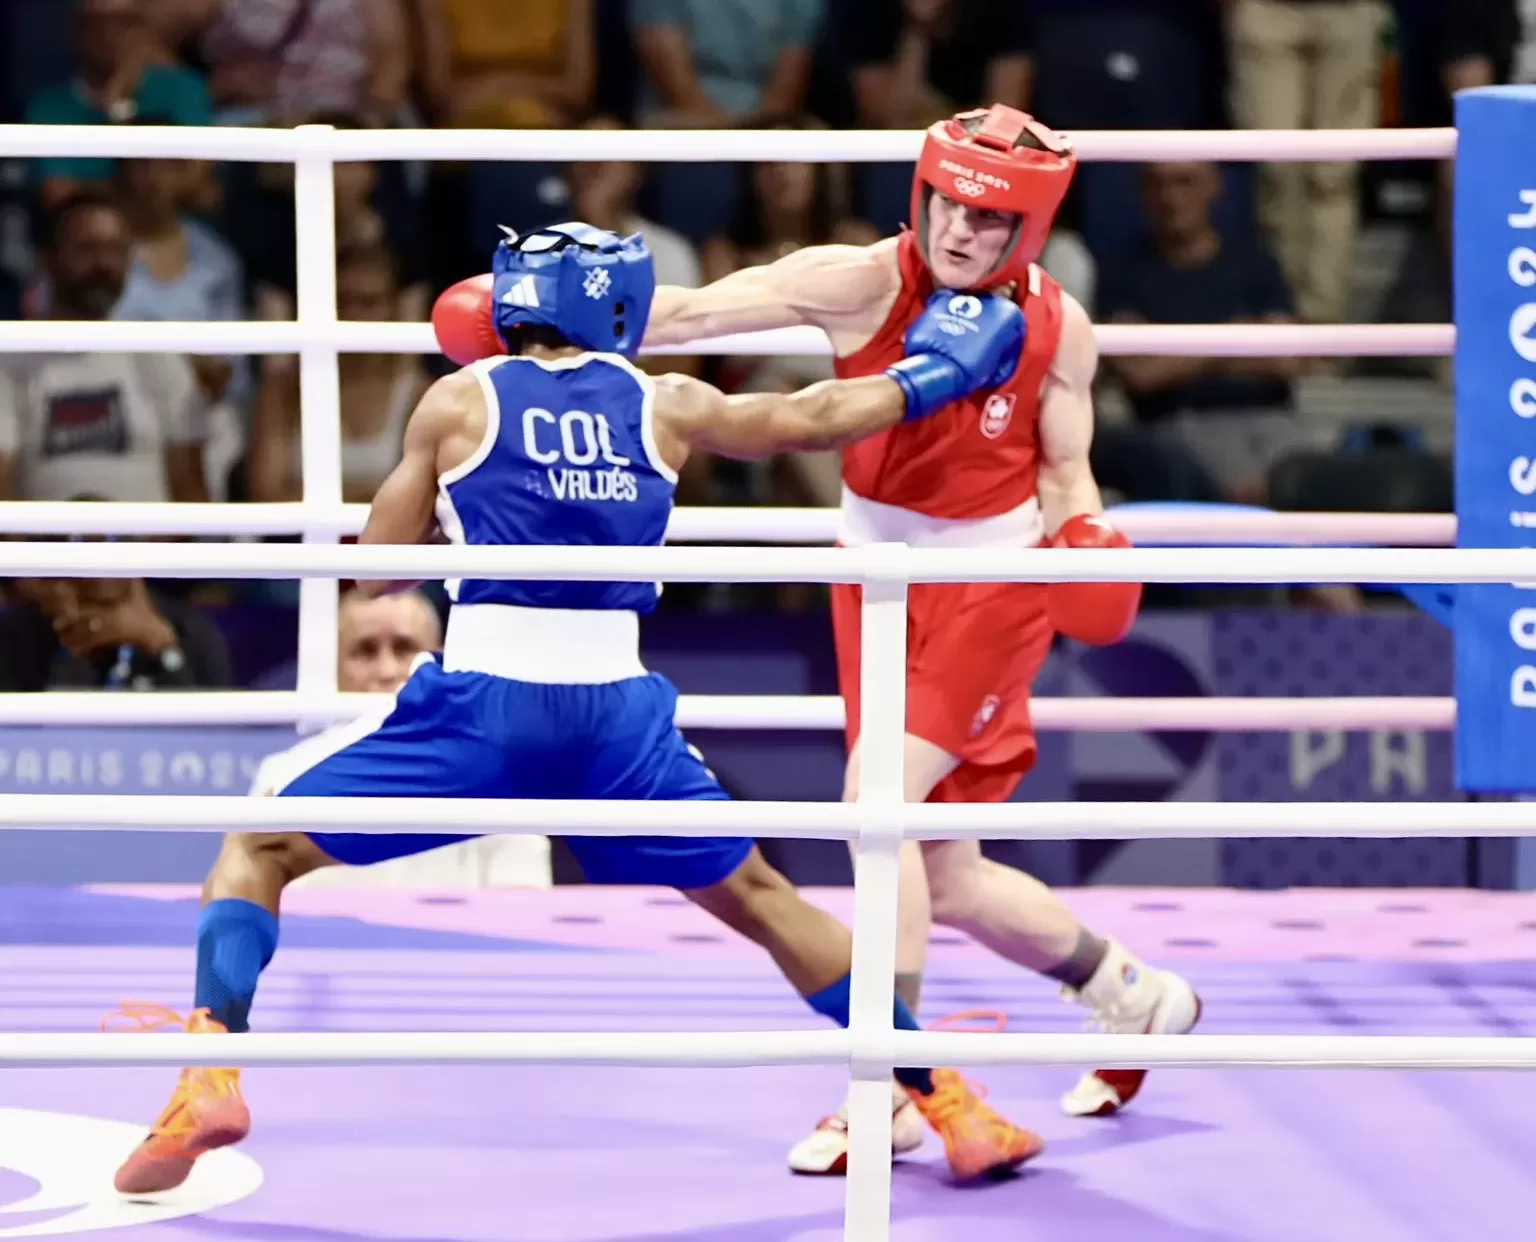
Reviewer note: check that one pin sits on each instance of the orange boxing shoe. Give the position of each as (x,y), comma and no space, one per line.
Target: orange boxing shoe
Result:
(978,1140)
(206,1111)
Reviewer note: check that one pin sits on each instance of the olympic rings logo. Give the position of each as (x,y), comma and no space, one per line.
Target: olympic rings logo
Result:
(971,189)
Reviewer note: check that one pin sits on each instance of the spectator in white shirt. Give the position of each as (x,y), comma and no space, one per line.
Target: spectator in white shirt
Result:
(117,425)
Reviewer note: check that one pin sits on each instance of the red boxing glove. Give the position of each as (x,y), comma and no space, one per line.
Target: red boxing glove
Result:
(1097,613)
(461,318)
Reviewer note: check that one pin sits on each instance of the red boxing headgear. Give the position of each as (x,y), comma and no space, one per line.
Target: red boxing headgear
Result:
(1000,159)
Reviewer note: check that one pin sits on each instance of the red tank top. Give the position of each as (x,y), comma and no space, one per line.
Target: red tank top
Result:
(976,458)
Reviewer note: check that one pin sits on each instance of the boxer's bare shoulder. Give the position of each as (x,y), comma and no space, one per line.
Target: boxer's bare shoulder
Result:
(1077,353)
(449,422)
(844,290)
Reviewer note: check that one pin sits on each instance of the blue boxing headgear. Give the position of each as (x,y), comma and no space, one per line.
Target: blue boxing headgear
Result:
(591,286)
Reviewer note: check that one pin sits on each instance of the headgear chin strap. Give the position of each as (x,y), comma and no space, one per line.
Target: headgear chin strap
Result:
(591,286)
(975,158)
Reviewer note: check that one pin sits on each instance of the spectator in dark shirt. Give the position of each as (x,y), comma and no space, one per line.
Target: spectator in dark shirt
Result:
(914,62)
(1477,43)
(714,64)
(117,80)
(374,207)
(106,634)
(1237,415)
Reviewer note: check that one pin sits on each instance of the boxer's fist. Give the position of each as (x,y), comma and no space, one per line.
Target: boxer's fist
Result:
(960,343)
(1097,613)
(461,318)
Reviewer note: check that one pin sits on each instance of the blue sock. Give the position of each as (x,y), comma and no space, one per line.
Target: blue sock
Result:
(832,1003)
(235,941)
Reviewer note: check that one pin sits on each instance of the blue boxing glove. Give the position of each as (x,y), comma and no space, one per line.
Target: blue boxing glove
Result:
(960,343)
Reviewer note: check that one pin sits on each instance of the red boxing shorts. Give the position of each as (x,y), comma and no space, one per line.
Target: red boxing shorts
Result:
(973,652)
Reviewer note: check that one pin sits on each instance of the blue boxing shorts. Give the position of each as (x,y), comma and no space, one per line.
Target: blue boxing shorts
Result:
(472,735)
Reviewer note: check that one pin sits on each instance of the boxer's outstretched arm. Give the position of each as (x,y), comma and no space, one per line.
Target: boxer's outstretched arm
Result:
(404,507)
(809,287)
(1066,485)
(749,426)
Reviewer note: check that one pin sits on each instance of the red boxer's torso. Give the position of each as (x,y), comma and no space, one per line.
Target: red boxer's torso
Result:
(977,458)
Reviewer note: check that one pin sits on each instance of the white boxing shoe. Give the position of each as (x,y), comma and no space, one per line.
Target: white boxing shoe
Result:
(1127,997)
(824,1153)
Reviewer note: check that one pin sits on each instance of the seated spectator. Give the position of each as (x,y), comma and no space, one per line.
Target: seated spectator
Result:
(270,61)
(378,393)
(914,62)
(107,634)
(789,206)
(1126,64)
(1237,415)
(709,64)
(606,193)
(484,71)
(1299,64)
(1445,49)
(124,426)
(374,207)
(116,81)
(184,271)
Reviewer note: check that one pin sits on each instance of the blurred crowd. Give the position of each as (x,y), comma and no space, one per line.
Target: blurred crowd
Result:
(1171,243)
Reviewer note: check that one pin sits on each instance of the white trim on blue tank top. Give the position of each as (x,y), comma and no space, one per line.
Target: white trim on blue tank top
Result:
(482,372)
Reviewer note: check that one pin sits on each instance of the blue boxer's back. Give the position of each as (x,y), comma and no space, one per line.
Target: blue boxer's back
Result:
(569,459)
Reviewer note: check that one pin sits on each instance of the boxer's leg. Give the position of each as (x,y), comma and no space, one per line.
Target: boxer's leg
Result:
(925,765)
(237,926)
(429,745)
(1022,919)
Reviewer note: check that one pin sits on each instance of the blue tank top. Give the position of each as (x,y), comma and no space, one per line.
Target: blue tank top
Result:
(568,459)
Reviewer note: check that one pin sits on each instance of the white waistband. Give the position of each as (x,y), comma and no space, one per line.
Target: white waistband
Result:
(551,646)
(868,521)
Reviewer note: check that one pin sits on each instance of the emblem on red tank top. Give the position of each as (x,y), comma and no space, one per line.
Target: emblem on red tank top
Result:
(996,414)
(984,714)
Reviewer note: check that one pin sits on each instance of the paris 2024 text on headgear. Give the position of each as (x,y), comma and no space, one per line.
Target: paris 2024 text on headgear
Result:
(996,159)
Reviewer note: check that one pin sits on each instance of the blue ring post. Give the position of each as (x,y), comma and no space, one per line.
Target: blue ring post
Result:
(1495,311)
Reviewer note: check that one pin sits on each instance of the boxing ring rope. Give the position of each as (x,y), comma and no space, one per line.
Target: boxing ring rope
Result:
(810,821)
(880,820)
(1186,340)
(324,144)
(720,1050)
(872,563)
(725,524)
(204,709)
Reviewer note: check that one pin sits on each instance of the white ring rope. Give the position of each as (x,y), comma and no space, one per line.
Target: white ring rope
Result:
(725,524)
(694,146)
(210,708)
(729,1050)
(818,821)
(265,337)
(881,562)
